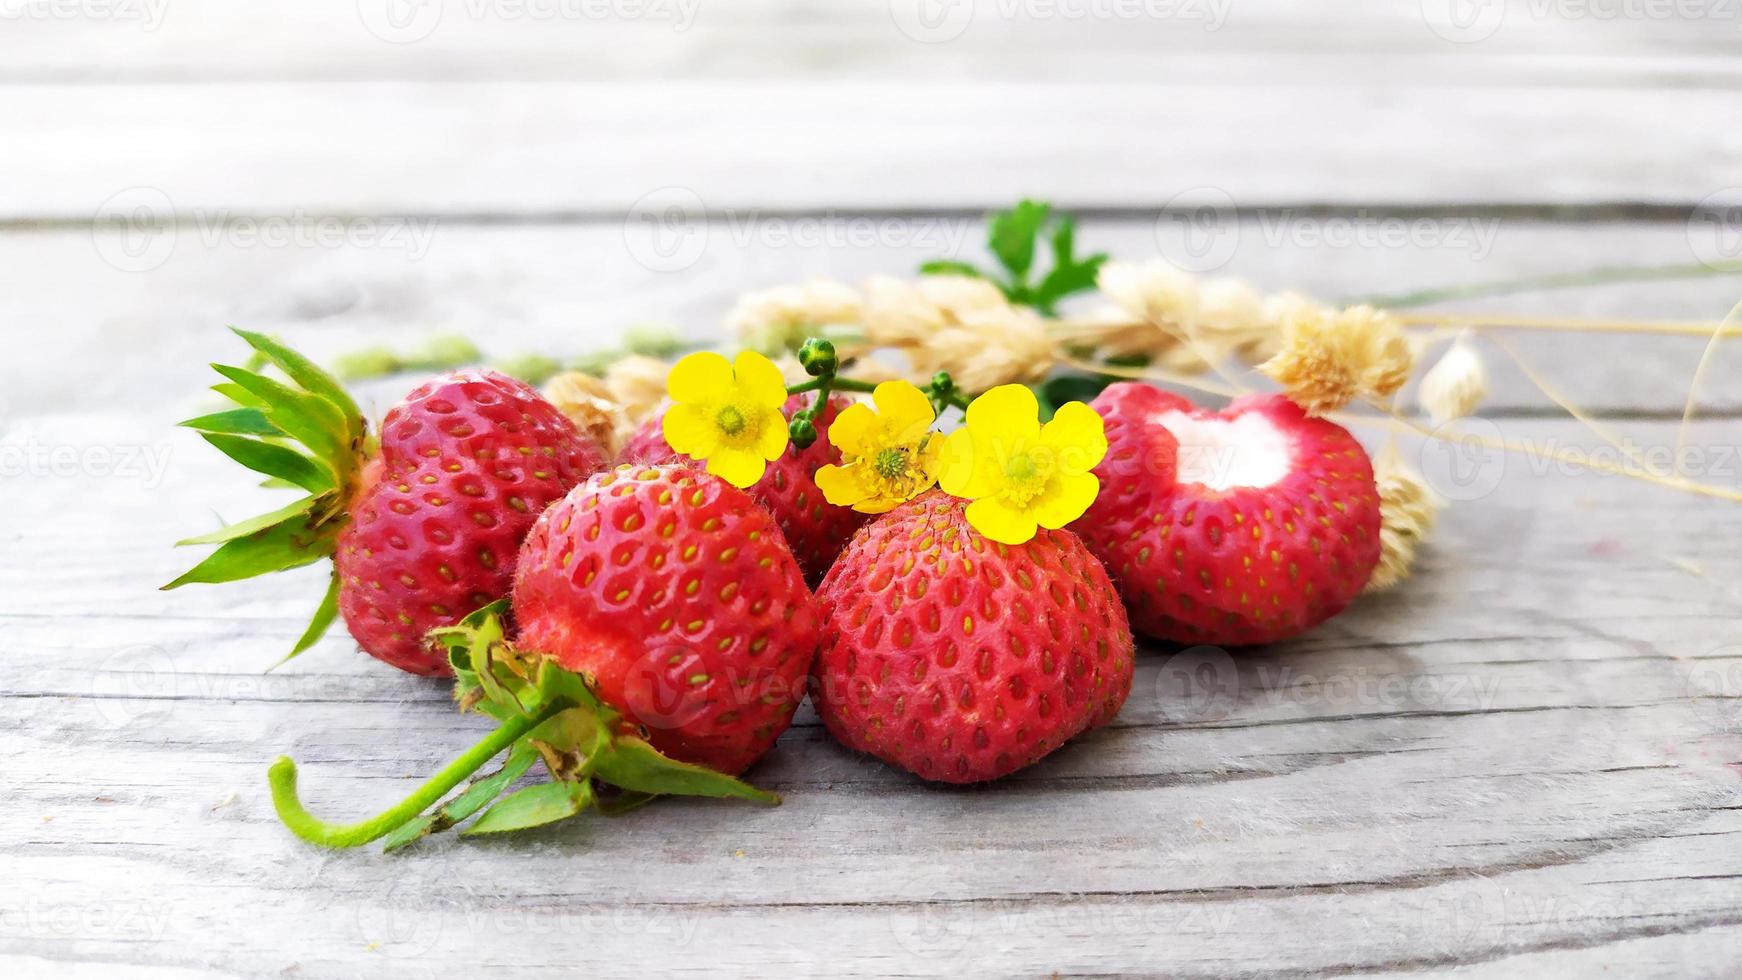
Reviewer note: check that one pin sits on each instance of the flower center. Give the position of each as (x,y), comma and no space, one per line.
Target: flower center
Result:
(890,463)
(1025,477)
(730,420)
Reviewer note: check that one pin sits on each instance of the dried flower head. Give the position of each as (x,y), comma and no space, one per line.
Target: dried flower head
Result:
(1231,318)
(1456,385)
(1407,508)
(637,383)
(904,313)
(1159,301)
(988,349)
(781,318)
(588,403)
(1328,359)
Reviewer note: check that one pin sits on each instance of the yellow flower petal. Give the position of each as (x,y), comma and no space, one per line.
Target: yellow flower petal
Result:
(1073,494)
(1006,413)
(841,485)
(999,522)
(736,466)
(903,409)
(701,377)
(958,471)
(771,441)
(759,381)
(851,430)
(1077,436)
(690,430)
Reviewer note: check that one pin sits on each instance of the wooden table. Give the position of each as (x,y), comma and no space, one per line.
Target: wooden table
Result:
(1526,760)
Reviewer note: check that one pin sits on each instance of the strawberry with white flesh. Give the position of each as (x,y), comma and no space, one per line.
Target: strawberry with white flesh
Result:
(1245,526)
(422,527)
(666,634)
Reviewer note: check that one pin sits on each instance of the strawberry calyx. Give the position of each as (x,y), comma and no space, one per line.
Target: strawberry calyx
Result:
(546,714)
(308,434)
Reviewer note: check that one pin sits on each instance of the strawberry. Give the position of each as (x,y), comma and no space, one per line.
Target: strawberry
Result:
(680,602)
(816,530)
(1245,526)
(423,529)
(960,659)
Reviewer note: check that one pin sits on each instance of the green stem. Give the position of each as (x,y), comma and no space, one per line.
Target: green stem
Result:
(1559,280)
(835,383)
(282,778)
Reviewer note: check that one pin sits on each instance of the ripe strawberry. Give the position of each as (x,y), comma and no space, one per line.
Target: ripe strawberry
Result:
(816,530)
(423,529)
(1244,526)
(960,659)
(468,462)
(679,602)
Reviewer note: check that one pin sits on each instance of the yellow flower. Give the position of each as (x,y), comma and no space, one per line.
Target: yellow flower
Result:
(1020,474)
(888,456)
(728,413)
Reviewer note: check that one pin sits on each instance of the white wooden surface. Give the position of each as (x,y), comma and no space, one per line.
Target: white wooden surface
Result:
(1529,759)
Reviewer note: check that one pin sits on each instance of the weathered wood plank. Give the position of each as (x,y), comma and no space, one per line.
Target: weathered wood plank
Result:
(526,149)
(1527,758)
(1390,41)
(95,332)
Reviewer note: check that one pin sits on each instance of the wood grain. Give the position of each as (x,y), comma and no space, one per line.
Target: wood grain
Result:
(1529,754)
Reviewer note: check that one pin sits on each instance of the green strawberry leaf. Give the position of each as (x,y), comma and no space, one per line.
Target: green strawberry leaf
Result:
(288,544)
(253,525)
(309,375)
(621,802)
(950,267)
(478,793)
(236,421)
(274,461)
(533,806)
(309,419)
(633,764)
(240,395)
(1011,235)
(323,618)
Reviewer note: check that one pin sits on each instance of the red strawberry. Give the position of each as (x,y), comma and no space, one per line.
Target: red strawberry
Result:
(1244,526)
(815,529)
(960,659)
(680,603)
(468,462)
(422,531)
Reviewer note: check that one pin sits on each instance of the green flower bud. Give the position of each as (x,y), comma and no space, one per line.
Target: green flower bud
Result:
(818,357)
(802,432)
